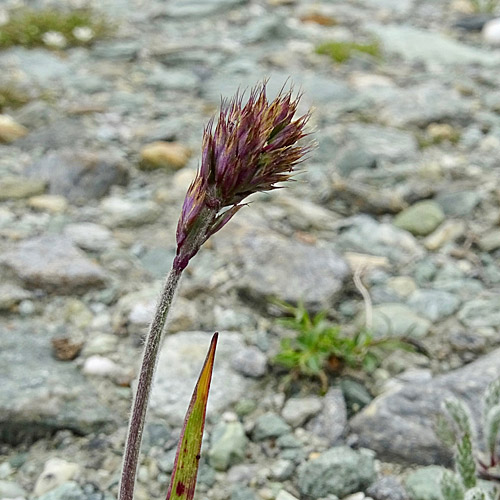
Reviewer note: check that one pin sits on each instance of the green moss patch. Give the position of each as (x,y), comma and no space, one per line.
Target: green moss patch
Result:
(53,28)
(342,51)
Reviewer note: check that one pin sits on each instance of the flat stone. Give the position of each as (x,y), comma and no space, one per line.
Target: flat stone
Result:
(90,236)
(161,154)
(15,188)
(53,264)
(421,218)
(228,445)
(331,422)
(491,32)
(42,395)
(121,212)
(274,266)
(55,472)
(10,489)
(415,44)
(11,295)
(80,175)
(397,320)
(384,143)
(66,491)
(269,426)
(435,305)
(10,130)
(181,359)
(200,8)
(425,483)
(490,241)
(458,203)
(52,203)
(387,488)
(399,425)
(481,312)
(251,362)
(366,235)
(338,471)
(298,410)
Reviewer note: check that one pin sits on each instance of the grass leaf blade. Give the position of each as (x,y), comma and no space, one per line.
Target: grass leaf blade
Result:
(183,481)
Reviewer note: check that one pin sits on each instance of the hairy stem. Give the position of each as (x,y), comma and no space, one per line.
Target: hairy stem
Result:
(139,408)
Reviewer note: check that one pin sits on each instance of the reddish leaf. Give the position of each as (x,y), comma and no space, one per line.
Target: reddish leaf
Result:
(183,481)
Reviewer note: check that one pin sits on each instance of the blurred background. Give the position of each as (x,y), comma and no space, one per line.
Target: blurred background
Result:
(390,233)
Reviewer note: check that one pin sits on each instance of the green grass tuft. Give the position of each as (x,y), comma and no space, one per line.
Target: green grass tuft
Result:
(29,28)
(343,51)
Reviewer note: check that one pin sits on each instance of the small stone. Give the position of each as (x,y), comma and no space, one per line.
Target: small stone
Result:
(355,496)
(160,154)
(434,304)
(11,490)
(421,218)
(298,410)
(284,495)
(491,32)
(53,264)
(425,483)
(251,362)
(282,470)
(100,366)
(51,203)
(404,286)
(448,232)
(10,130)
(66,491)
(439,132)
(338,471)
(55,472)
(356,395)
(458,203)
(11,295)
(269,426)
(121,212)
(103,343)
(490,241)
(228,445)
(396,320)
(387,488)
(330,424)
(90,236)
(66,348)
(243,493)
(14,188)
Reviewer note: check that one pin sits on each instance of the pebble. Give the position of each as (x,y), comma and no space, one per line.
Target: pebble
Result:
(448,232)
(491,32)
(55,472)
(100,366)
(66,491)
(297,411)
(251,362)
(168,155)
(120,212)
(387,488)
(269,426)
(421,218)
(228,445)
(14,188)
(51,203)
(424,483)
(10,130)
(90,236)
(11,490)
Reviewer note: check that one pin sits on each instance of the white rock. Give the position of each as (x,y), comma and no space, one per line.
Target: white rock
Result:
(491,32)
(284,495)
(100,366)
(55,473)
(90,236)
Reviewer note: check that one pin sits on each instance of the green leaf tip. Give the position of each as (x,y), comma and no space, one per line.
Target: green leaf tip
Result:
(183,481)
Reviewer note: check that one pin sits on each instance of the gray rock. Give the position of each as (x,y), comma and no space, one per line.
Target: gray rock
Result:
(281,470)
(423,104)
(384,143)
(366,235)
(425,483)
(251,362)
(490,241)
(481,312)
(243,493)
(433,48)
(90,236)
(200,8)
(67,491)
(339,471)
(228,445)
(122,50)
(11,295)
(297,411)
(121,212)
(356,395)
(330,424)
(15,188)
(42,395)
(397,320)
(421,218)
(180,363)
(274,266)
(458,203)
(353,158)
(387,488)
(269,426)
(435,305)
(399,425)
(10,489)
(172,79)
(80,175)
(53,264)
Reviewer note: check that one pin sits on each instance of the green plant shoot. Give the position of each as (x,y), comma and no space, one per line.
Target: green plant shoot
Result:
(183,481)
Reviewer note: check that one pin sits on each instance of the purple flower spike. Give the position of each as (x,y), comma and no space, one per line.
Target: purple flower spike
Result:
(252,147)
